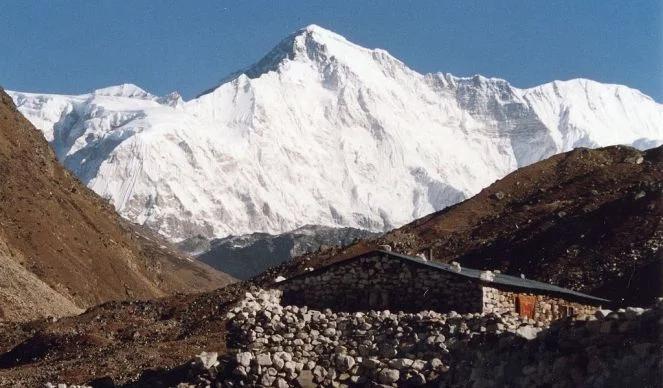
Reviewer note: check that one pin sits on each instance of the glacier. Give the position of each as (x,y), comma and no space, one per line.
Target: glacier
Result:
(323,132)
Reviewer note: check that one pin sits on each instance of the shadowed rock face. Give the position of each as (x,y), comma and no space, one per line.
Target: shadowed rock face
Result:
(246,256)
(64,248)
(589,220)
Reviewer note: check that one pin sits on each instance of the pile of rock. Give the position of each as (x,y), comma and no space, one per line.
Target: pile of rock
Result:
(275,345)
(271,345)
(615,348)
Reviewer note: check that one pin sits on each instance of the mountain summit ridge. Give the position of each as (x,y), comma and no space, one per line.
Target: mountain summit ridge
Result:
(322,131)
(311,43)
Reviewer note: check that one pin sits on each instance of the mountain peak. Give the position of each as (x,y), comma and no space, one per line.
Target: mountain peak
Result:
(172,99)
(123,90)
(320,34)
(317,45)
(384,143)
(312,42)
(317,29)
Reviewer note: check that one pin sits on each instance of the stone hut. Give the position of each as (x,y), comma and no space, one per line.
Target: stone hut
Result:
(382,279)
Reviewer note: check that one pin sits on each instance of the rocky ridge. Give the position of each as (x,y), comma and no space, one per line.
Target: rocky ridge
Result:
(246,256)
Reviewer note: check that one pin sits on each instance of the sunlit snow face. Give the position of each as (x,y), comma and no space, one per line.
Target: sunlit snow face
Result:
(322,131)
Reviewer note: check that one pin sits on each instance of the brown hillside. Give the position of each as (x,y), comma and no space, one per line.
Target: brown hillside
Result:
(62,248)
(589,220)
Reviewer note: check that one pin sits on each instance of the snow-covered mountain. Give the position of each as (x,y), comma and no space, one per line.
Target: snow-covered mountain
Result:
(322,131)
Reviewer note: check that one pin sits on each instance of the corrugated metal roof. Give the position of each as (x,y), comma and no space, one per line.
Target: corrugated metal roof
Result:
(498,278)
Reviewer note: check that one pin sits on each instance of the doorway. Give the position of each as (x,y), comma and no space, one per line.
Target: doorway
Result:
(526,305)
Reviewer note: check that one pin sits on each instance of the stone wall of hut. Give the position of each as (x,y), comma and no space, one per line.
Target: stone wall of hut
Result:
(378,282)
(545,308)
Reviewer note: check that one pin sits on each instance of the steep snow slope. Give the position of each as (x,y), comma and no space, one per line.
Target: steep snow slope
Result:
(322,131)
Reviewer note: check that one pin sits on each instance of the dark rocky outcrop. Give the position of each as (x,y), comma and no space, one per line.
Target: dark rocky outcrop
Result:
(246,256)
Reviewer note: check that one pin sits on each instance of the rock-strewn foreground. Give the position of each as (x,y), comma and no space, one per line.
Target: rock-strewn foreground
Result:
(268,344)
(63,248)
(588,220)
(120,340)
(288,346)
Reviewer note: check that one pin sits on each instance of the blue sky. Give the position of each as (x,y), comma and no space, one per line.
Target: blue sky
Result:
(77,46)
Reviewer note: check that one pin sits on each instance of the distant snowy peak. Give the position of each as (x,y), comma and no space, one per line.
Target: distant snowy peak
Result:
(313,44)
(587,113)
(46,110)
(172,99)
(323,50)
(124,90)
(322,131)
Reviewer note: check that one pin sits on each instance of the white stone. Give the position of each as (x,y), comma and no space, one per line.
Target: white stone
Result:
(290,367)
(244,358)
(208,359)
(264,359)
(279,279)
(344,362)
(418,364)
(528,332)
(401,363)
(388,376)
(267,380)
